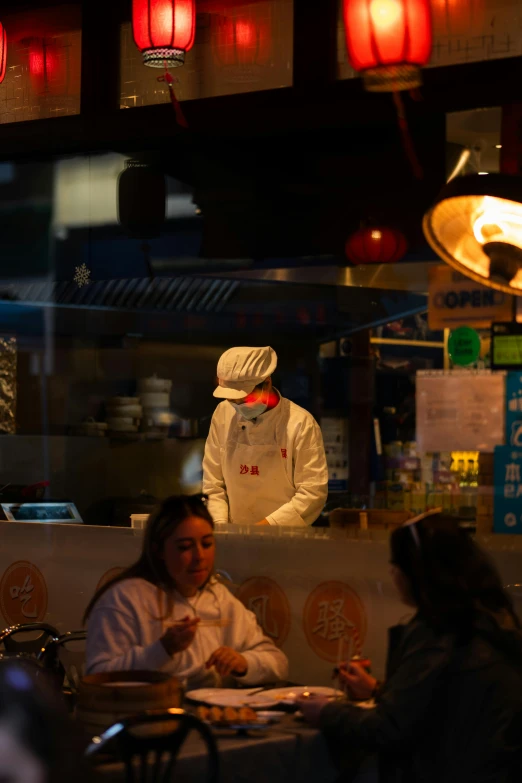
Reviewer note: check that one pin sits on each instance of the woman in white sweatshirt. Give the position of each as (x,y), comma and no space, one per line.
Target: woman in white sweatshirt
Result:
(167,612)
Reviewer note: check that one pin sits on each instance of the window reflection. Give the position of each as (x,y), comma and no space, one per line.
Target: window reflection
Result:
(43,65)
(240,47)
(463,31)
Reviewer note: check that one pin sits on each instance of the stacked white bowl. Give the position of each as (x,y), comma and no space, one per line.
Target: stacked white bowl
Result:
(154,394)
(124,414)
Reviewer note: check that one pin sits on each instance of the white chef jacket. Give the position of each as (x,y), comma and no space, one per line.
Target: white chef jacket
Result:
(271,468)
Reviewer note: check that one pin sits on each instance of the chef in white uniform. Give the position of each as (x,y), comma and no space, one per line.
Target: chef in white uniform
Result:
(264,458)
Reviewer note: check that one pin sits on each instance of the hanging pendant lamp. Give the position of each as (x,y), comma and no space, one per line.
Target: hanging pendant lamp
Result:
(476,227)
(388,41)
(164,30)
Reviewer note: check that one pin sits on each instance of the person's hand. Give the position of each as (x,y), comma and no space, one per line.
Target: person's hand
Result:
(180,636)
(357,681)
(263,522)
(227,661)
(311,707)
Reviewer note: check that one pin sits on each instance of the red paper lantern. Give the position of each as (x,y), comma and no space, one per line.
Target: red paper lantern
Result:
(48,67)
(3,52)
(389,41)
(376,245)
(164,30)
(241,41)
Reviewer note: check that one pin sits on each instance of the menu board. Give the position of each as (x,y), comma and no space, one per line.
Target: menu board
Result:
(462,410)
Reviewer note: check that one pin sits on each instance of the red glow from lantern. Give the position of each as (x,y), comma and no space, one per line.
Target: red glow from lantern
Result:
(376,245)
(162,26)
(47,67)
(36,61)
(245,33)
(3,52)
(242,41)
(384,33)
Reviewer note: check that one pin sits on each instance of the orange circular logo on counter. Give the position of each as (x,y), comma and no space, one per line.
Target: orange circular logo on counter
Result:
(108,575)
(23,593)
(334,621)
(269,603)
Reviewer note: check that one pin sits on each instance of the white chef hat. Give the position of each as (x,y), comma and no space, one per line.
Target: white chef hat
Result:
(240,370)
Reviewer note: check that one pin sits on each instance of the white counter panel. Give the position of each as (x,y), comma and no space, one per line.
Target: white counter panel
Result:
(309,588)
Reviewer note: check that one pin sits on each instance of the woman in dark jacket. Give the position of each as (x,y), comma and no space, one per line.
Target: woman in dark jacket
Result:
(450,710)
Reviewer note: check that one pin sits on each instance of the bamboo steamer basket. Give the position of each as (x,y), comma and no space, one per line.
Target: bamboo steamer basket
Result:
(105,698)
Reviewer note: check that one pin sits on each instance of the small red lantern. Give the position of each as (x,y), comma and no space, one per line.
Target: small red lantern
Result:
(164,30)
(3,52)
(389,41)
(376,245)
(241,41)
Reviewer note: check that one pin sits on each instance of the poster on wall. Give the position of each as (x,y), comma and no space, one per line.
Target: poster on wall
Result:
(461,410)
(514,409)
(508,490)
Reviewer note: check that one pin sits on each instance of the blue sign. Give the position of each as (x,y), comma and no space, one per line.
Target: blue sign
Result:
(514,409)
(507,477)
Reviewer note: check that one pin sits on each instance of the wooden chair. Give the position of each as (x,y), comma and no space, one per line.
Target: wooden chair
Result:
(149,752)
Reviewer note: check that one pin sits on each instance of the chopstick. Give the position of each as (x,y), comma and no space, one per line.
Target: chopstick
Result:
(207,624)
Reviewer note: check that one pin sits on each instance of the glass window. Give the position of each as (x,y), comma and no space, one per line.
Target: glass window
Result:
(43,64)
(463,31)
(239,47)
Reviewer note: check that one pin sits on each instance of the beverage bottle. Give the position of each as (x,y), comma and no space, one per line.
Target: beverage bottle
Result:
(463,478)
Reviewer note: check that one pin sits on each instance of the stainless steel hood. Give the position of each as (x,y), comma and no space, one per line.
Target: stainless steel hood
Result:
(412,277)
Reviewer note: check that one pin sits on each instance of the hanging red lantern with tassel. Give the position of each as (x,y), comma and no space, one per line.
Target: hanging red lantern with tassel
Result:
(388,41)
(164,30)
(3,52)
(376,245)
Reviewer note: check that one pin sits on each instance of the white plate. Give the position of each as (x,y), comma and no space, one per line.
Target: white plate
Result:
(232,697)
(290,695)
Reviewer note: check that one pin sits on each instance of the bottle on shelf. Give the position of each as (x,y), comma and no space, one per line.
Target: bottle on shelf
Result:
(462,474)
(472,473)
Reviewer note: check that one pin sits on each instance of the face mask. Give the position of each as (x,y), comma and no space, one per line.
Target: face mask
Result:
(250,410)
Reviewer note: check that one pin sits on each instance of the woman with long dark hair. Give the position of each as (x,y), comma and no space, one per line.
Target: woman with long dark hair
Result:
(167,611)
(451,707)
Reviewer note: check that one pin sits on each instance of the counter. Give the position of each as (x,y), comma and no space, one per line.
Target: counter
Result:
(309,587)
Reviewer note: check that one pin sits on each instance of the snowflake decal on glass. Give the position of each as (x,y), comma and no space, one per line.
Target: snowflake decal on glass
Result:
(82,276)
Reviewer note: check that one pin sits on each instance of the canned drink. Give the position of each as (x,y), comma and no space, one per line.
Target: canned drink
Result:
(363,661)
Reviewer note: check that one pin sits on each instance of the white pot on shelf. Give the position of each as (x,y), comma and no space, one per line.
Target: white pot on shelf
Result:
(154,384)
(155,400)
(125,411)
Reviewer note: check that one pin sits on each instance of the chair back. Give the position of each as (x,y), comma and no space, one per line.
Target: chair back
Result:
(149,747)
(67,653)
(14,642)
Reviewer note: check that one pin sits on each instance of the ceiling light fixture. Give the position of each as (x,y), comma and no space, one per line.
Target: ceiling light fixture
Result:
(476,227)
